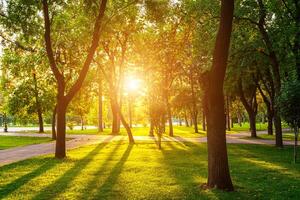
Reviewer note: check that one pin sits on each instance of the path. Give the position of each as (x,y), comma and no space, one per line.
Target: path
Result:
(8,156)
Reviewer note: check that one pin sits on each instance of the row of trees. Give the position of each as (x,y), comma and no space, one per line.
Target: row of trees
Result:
(78,56)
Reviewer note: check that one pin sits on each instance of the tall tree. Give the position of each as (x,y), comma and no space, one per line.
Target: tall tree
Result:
(218,168)
(64,97)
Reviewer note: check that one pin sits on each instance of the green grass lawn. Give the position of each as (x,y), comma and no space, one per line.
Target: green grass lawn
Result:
(120,171)
(259,127)
(14,141)
(181,131)
(246,127)
(285,136)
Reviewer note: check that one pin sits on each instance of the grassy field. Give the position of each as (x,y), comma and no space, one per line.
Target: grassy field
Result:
(285,136)
(259,127)
(181,131)
(141,171)
(14,141)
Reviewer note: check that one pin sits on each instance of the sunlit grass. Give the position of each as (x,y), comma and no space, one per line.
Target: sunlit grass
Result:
(180,131)
(14,141)
(141,171)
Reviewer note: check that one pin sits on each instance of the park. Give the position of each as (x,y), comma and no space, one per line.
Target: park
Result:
(149,99)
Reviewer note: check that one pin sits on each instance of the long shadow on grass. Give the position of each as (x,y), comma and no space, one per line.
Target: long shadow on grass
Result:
(185,165)
(114,174)
(257,173)
(90,186)
(61,184)
(46,165)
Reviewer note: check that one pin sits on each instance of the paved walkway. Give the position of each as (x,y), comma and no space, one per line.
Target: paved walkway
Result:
(21,153)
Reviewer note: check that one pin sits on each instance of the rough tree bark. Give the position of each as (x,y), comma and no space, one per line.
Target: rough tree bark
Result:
(63,97)
(218,169)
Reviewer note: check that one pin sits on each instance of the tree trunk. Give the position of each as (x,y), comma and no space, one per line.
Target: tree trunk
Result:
(228,114)
(296,132)
(125,124)
(41,123)
(118,110)
(38,105)
(278,130)
(191,120)
(82,122)
(60,150)
(151,132)
(195,112)
(186,119)
(130,111)
(218,169)
(195,115)
(54,123)
(203,121)
(115,118)
(118,116)
(100,107)
(169,115)
(5,122)
(252,121)
(270,121)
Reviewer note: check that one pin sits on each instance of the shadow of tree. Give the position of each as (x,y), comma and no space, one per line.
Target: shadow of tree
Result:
(259,172)
(61,184)
(107,186)
(46,164)
(90,186)
(191,166)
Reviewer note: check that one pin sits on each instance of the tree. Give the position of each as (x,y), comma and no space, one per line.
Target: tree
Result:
(64,97)
(261,22)
(248,99)
(290,108)
(218,169)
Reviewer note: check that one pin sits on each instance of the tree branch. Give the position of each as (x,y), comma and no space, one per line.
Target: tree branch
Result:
(59,77)
(91,52)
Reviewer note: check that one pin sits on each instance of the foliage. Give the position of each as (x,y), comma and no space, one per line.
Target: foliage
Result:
(289,102)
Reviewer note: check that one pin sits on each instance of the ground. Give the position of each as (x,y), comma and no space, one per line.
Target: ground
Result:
(14,141)
(285,136)
(117,170)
